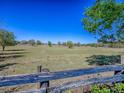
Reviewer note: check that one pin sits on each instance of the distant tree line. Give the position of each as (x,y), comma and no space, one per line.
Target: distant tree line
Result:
(106,45)
(8,39)
(71,44)
(29,42)
(33,42)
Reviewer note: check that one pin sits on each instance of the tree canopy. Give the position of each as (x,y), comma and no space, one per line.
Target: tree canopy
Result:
(32,42)
(70,44)
(6,38)
(49,43)
(105,20)
(38,42)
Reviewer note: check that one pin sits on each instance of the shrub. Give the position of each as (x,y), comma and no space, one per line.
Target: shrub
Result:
(38,42)
(49,43)
(32,42)
(70,44)
(116,88)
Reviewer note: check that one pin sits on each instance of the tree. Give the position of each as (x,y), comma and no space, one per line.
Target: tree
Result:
(59,43)
(70,44)
(32,42)
(120,34)
(104,19)
(78,44)
(17,42)
(38,42)
(64,44)
(23,42)
(49,43)
(6,38)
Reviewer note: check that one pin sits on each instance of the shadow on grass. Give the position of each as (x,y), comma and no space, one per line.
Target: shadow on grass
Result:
(10,56)
(5,66)
(16,53)
(104,60)
(15,50)
(13,53)
(6,57)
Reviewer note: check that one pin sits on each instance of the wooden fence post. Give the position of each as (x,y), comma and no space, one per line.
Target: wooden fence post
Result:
(44,84)
(122,59)
(39,68)
(122,63)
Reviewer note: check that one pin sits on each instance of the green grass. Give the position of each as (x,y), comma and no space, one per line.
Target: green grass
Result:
(27,58)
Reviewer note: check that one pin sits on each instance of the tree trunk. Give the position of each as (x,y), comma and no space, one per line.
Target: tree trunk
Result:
(3,47)
(96,45)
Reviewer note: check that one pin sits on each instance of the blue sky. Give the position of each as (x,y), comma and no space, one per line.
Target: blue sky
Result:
(45,20)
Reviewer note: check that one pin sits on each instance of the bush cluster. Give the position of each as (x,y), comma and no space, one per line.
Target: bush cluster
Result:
(116,88)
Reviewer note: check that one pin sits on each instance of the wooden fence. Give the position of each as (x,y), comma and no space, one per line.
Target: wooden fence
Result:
(44,76)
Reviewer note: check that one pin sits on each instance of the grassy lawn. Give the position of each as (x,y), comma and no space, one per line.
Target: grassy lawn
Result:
(25,59)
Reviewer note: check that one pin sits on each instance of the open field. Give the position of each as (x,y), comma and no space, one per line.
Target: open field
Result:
(25,59)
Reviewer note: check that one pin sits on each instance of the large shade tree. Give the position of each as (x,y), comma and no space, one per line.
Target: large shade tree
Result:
(105,20)
(6,38)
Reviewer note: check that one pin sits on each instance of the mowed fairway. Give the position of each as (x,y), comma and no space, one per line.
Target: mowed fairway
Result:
(25,59)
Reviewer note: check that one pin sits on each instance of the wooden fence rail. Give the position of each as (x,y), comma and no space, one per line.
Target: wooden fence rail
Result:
(47,76)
